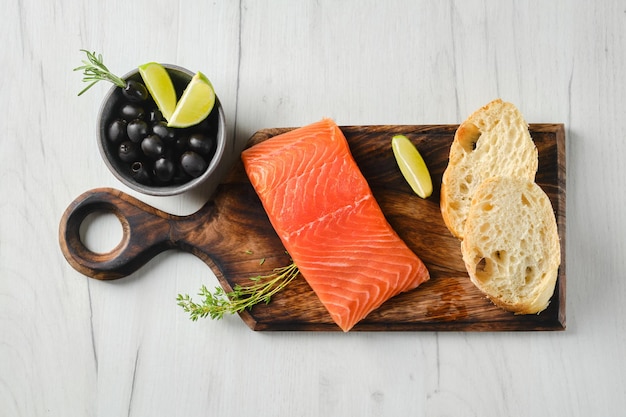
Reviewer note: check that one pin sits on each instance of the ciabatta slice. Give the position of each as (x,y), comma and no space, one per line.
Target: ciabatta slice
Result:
(493,141)
(511,246)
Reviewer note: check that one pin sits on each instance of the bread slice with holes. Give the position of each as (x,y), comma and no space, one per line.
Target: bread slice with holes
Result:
(493,141)
(511,247)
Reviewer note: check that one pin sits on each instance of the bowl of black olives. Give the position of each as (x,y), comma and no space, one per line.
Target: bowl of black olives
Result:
(144,153)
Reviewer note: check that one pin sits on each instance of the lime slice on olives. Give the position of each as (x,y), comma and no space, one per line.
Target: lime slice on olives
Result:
(195,104)
(412,166)
(160,87)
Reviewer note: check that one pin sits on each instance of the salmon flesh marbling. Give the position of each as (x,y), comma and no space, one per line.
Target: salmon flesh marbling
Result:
(324,212)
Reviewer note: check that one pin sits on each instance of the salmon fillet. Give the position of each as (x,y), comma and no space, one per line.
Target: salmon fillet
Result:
(324,212)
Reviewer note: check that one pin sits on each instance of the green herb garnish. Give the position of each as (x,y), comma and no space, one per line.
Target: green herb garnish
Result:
(94,70)
(219,302)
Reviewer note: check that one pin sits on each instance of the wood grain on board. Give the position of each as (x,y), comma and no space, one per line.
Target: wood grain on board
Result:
(233,236)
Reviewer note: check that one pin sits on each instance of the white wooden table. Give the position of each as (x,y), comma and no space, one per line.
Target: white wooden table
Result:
(73,346)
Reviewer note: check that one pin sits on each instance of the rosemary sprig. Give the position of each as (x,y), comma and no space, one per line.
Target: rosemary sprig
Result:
(94,70)
(218,303)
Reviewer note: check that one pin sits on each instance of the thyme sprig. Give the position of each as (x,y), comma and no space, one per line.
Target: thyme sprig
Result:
(94,70)
(219,302)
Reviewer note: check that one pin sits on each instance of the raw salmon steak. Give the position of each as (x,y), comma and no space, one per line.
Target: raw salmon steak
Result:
(324,212)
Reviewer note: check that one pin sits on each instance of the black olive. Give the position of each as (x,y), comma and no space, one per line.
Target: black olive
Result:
(154,115)
(180,176)
(140,173)
(193,164)
(164,169)
(116,131)
(180,144)
(137,130)
(161,130)
(135,91)
(128,151)
(152,146)
(201,144)
(130,111)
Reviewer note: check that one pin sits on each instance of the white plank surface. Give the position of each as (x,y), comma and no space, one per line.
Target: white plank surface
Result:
(72,346)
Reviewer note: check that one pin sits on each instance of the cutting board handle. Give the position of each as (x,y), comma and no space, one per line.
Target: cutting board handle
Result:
(146,231)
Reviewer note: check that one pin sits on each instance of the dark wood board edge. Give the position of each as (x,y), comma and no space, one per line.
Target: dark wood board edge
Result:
(561,220)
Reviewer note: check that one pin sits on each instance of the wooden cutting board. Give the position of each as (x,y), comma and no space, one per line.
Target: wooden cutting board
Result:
(233,236)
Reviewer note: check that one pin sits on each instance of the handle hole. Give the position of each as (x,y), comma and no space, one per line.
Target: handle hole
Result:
(101,232)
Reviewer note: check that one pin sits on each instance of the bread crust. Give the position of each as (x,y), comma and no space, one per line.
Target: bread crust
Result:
(493,141)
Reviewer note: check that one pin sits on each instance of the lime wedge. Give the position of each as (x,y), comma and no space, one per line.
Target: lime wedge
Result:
(195,104)
(412,166)
(160,87)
